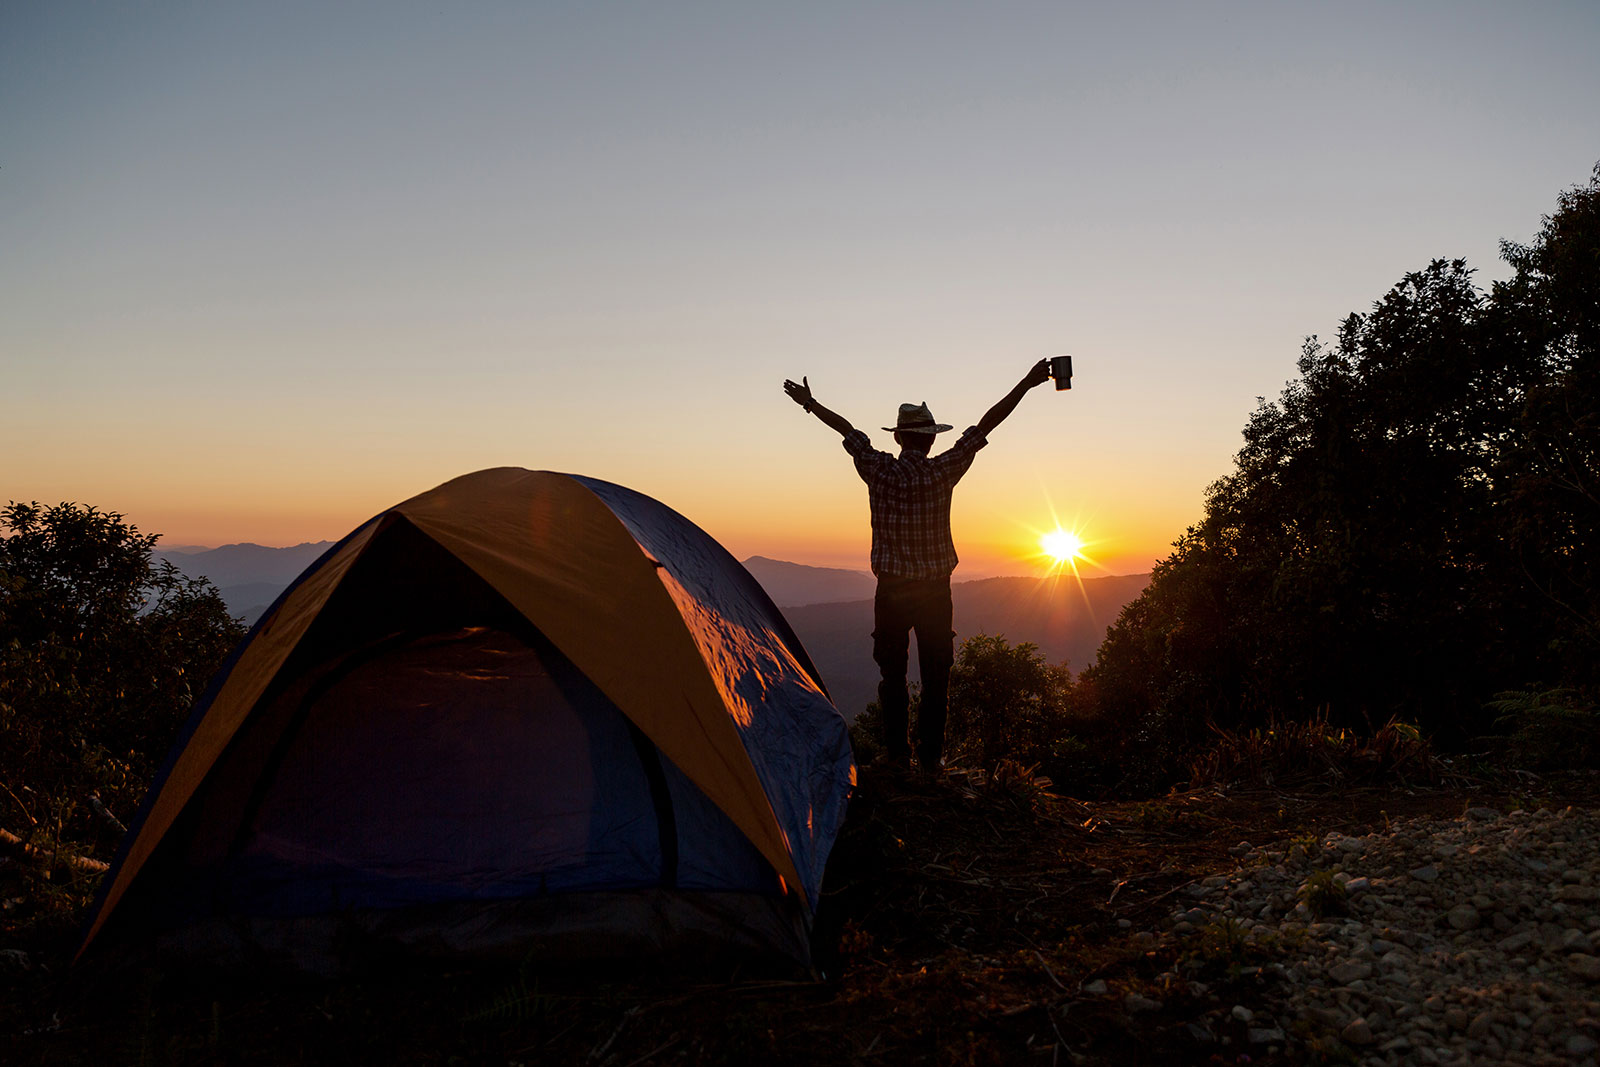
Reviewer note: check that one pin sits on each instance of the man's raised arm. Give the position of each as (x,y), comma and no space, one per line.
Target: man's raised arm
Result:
(800,393)
(1038,374)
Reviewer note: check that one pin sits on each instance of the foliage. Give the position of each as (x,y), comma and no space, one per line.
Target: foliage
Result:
(1413,523)
(1006,703)
(1555,729)
(1322,894)
(1297,752)
(102,652)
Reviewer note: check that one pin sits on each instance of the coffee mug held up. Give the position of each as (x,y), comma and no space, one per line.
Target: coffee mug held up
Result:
(1061,371)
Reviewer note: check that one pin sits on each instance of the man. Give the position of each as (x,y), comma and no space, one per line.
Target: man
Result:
(913,555)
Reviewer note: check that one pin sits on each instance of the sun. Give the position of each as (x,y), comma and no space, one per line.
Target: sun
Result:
(1063,546)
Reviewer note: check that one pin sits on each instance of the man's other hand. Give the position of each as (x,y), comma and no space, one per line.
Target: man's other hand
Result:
(800,393)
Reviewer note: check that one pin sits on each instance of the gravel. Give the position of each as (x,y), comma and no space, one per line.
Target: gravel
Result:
(1465,941)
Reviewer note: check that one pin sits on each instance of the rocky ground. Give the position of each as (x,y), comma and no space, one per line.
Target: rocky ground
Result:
(981,921)
(1427,940)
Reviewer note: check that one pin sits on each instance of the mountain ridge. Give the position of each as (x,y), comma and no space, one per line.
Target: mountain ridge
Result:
(829,608)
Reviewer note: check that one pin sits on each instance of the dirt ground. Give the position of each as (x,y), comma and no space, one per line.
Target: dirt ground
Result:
(960,924)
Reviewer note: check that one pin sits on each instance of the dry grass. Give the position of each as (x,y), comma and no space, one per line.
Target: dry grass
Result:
(1298,754)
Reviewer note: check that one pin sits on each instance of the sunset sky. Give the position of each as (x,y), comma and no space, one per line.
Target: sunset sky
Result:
(266,269)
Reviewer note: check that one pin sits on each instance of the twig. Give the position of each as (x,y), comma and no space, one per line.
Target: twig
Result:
(1061,1042)
(25,812)
(653,1053)
(600,1050)
(1049,972)
(51,856)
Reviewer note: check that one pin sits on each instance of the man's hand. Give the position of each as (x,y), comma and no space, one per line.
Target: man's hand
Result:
(800,394)
(1038,374)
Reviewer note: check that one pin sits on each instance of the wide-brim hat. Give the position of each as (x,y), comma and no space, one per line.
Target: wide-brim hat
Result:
(916,418)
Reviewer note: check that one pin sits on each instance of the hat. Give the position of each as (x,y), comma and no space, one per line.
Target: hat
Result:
(916,418)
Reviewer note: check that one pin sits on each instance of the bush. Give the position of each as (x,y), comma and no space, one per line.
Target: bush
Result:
(102,653)
(1546,731)
(1006,702)
(1286,753)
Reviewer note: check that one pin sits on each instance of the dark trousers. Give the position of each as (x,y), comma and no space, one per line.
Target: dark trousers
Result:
(900,606)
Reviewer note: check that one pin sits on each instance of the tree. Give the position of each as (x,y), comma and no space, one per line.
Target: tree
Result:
(1006,702)
(1550,467)
(1413,524)
(102,652)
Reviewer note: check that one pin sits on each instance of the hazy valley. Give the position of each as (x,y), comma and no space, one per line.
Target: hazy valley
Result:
(829,608)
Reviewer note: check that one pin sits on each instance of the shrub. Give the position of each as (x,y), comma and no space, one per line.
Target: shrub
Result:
(102,652)
(1297,752)
(1006,702)
(1551,730)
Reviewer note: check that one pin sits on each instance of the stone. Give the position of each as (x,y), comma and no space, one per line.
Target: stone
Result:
(1464,917)
(1349,971)
(1242,1013)
(1357,1032)
(1481,1026)
(1584,966)
(1133,1003)
(1265,1035)
(1095,988)
(1429,873)
(1457,1019)
(1357,885)
(1582,1045)
(1323,1017)
(1483,814)
(1578,893)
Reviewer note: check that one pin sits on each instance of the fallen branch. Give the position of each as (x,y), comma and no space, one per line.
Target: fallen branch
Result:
(10,842)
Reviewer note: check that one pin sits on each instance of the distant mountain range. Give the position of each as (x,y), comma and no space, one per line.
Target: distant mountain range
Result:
(794,584)
(829,608)
(1065,619)
(248,576)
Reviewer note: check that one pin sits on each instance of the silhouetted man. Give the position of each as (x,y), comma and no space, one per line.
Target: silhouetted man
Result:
(913,555)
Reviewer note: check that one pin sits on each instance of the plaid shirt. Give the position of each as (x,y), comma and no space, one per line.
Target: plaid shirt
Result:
(910,498)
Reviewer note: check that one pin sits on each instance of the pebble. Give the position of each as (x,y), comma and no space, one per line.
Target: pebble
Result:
(1133,1003)
(1470,942)
(1357,1032)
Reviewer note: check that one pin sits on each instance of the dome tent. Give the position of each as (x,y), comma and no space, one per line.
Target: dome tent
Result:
(521,713)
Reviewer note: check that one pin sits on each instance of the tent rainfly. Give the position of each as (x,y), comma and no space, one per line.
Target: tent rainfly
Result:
(524,714)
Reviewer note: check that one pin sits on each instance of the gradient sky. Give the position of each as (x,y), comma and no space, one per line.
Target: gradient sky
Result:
(266,269)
